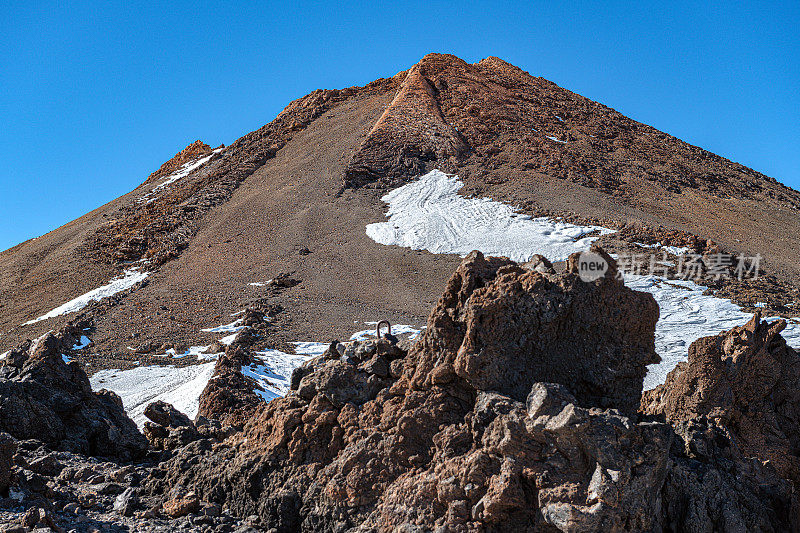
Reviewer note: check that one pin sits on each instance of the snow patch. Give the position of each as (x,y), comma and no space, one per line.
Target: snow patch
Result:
(686,314)
(273,372)
(397,329)
(130,278)
(676,250)
(140,386)
(234,326)
(310,348)
(556,139)
(428,214)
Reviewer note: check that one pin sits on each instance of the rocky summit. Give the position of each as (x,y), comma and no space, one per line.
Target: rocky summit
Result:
(456,299)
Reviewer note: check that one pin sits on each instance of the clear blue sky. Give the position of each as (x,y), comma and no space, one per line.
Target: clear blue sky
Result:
(95,96)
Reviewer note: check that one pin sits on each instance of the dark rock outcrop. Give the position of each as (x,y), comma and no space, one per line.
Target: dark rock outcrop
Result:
(43,397)
(8,447)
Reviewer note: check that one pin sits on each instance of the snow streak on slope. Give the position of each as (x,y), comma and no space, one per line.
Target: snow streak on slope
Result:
(139,386)
(428,214)
(126,281)
(182,172)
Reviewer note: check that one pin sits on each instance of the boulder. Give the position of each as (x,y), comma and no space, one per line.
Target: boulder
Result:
(44,398)
(501,327)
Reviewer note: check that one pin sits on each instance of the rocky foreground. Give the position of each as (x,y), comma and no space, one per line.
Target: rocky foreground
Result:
(520,409)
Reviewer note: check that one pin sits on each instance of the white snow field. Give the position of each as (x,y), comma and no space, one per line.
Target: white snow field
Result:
(139,386)
(429,214)
(129,278)
(182,387)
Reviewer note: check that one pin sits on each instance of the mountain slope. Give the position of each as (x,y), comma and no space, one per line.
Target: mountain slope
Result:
(311,180)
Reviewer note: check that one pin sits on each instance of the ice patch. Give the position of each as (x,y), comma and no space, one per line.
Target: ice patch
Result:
(428,214)
(140,386)
(67,359)
(130,278)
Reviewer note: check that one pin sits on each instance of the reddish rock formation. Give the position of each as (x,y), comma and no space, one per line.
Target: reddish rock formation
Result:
(743,386)
(230,396)
(500,327)
(421,447)
(193,152)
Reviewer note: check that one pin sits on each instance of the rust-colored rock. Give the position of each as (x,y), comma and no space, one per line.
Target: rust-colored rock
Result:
(501,327)
(746,381)
(422,446)
(193,152)
(181,506)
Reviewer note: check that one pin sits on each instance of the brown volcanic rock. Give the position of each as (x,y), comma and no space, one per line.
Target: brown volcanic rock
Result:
(230,396)
(410,132)
(350,447)
(44,398)
(747,382)
(501,327)
(160,229)
(193,152)
(501,116)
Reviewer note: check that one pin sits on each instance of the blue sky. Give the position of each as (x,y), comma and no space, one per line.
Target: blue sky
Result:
(95,96)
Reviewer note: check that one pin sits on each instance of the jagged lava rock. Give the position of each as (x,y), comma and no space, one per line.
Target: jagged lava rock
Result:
(44,398)
(746,380)
(501,327)
(349,447)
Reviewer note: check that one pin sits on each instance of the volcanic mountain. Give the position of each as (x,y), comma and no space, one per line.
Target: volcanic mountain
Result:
(290,202)
(188,333)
